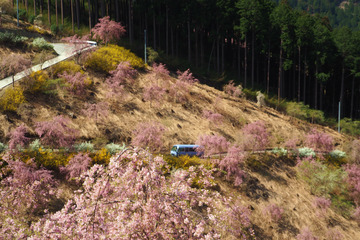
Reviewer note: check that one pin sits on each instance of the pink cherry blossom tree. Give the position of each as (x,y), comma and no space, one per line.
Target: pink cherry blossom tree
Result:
(56,132)
(12,64)
(233,164)
(160,70)
(232,90)
(255,136)
(212,144)
(148,134)
(132,199)
(274,212)
(107,30)
(18,138)
(319,141)
(25,192)
(154,93)
(77,165)
(187,76)
(76,83)
(96,111)
(215,118)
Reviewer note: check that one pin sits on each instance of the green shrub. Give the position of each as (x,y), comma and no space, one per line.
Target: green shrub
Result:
(31,18)
(337,154)
(3,147)
(54,29)
(152,55)
(22,14)
(350,127)
(297,109)
(11,39)
(342,205)
(322,179)
(108,58)
(280,151)
(306,152)
(35,145)
(113,148)
(316,116)
(84,147)
(41,43)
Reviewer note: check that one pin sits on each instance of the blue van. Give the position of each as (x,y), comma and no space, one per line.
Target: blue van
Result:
(185,149)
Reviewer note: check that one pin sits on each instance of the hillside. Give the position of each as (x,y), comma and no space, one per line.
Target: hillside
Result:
(270,179)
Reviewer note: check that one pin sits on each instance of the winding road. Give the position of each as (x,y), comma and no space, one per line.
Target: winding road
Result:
(64,51)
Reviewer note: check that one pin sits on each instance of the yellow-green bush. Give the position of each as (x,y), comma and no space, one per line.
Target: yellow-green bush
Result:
(35,29)
(47,158)
(36,81)
(183,161)
(107,58)
(100,157)
(68,66)
(12,99)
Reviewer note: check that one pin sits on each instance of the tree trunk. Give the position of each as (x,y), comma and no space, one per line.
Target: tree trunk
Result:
(268,71)
(117,15)
(154,30)
(189,38)
(280,70)
(222,55)
(96,11)
(196,49)
(77,6)
(352,98)
(245,66)
(102,8)
(239,58)
(299,76)
(315,87)
(211,52)
(89,10)
(217,54)
(35,7)
(56,12)
(167,29)
(202,55)
(62,11)
(49,16)
(41,6)
(252,59)
(131,22)
(342,88)
(27,6)
(321,95)
(72,16)
(305,72)
(172,41)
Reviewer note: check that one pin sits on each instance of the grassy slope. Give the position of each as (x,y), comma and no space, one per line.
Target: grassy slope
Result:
(274,182)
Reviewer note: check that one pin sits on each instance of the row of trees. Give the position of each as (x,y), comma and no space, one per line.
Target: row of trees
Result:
(274,47)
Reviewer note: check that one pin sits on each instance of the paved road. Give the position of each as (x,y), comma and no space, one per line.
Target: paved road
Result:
(65,51)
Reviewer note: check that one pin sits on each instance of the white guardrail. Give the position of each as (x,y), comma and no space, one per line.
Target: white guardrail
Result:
(65,51)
